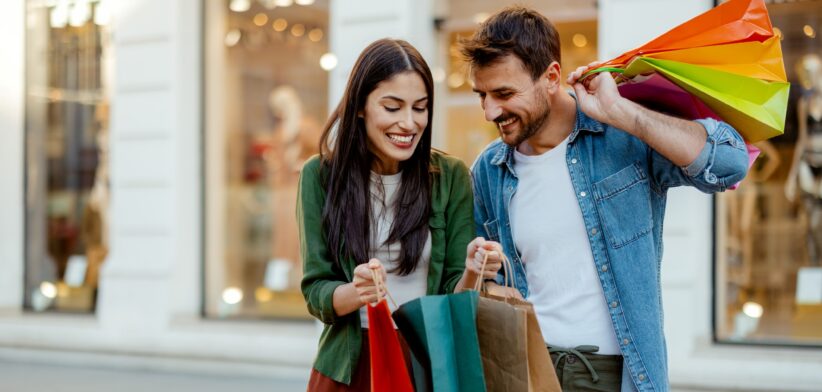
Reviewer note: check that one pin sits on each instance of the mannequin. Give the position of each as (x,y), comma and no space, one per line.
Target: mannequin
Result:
(295,138)
(806,168)
(94,228)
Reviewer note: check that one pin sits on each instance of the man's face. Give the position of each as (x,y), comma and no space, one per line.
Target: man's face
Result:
(516,103)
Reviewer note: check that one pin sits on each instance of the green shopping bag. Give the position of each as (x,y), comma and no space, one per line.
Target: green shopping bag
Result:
(755,108)
(441,332)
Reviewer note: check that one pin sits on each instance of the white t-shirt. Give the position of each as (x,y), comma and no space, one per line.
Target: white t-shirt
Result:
(550,236)
(402,288)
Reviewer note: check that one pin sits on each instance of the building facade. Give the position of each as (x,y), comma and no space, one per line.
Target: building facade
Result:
(148,164)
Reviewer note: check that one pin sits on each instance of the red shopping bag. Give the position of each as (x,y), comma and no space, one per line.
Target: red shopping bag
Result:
(389,372)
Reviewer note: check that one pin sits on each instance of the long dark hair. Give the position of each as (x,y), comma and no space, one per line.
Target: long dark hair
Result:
(345,156)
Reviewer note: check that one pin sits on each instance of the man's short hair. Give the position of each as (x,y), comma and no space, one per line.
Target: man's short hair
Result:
(515,30)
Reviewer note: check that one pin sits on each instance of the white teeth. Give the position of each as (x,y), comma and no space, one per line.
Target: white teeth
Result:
(507,122)
(401,139)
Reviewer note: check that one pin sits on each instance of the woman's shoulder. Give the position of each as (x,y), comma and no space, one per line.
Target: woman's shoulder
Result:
(446,164)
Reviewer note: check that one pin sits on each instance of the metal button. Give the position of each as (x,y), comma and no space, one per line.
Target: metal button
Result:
(625,341)
(574,160)
(614,304)
(641,377)
(582,194)
(594,231)
(604,268)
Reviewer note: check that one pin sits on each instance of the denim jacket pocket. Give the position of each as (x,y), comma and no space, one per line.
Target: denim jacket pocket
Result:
(624,203)
(492,230)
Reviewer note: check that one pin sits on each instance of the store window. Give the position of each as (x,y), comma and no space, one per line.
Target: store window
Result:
(467,131)
(67,118)
(266,88)
(769,231)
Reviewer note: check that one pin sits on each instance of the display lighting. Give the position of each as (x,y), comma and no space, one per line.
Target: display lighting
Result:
(283,3)
(102,15)
(59,15)
(809,31)
(80,13)
(752,309)
(232,295)
(260,19)
(280,24)
(304,2)
(298,30)
(48,289)
(580,40)
(239,5)
(328,61)
(315,35)
(456,80)
(480,17)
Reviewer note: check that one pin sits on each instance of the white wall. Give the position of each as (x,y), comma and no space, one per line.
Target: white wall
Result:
(694,360)
(11,155)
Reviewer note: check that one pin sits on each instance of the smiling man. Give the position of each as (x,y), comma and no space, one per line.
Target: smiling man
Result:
(575,191)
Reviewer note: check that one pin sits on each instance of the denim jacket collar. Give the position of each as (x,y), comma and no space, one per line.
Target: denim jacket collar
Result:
(583,123)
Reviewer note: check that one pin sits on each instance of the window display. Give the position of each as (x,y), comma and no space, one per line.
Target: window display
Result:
(266,100)
(67,198)
(769,230)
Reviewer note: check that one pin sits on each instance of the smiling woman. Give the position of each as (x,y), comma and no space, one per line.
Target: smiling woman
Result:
(378,201)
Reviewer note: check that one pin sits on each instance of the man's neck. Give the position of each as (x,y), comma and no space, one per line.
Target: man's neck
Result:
(556,128)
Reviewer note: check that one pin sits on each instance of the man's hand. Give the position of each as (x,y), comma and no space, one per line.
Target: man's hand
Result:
(476,252)
(364,281)
(597,94)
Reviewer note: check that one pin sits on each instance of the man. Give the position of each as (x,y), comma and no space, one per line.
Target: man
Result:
(575,191)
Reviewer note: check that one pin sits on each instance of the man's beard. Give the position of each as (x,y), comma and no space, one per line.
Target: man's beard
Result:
(527,129)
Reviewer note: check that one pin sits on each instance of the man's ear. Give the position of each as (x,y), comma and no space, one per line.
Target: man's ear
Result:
(552,77)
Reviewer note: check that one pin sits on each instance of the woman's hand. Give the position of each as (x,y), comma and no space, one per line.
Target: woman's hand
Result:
(364,281)
(501,291)
(477,251)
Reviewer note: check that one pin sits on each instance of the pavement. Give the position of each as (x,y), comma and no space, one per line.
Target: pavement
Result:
(19,377)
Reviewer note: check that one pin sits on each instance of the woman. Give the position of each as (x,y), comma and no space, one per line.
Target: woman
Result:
(378,198)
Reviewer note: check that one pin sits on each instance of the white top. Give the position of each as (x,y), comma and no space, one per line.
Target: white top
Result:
(402,288)
(550,235)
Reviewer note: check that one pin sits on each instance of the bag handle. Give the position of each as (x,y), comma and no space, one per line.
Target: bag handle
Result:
(380,284)
(507,268)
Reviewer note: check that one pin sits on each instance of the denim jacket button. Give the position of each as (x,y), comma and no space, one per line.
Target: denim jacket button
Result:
(574,160)
(594,231)
(641,377)
(604,268)
(614,304)
(625,341)
(582,194)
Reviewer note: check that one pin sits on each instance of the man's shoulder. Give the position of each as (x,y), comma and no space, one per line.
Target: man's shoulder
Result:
(488,154)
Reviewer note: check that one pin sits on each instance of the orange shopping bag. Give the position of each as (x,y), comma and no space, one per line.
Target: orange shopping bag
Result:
(388,369)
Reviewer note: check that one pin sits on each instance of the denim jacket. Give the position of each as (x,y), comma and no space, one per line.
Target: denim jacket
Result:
(621,186)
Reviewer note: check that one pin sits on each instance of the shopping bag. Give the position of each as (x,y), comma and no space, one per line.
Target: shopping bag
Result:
(441,332)
(759,60)
(514,354)
(389,372)
(755,108)
(732,21)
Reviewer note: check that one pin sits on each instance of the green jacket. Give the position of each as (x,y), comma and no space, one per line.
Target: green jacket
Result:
(452,228)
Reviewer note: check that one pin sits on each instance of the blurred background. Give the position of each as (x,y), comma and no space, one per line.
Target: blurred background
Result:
(150,151)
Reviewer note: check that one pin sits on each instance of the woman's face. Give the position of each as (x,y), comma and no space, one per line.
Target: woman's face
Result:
(395,114)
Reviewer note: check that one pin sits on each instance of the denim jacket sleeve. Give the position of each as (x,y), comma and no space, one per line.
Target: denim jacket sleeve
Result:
(320,275)
(480,211)
(722,162)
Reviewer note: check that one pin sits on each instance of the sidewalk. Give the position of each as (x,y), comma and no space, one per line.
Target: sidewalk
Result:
(35,377)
